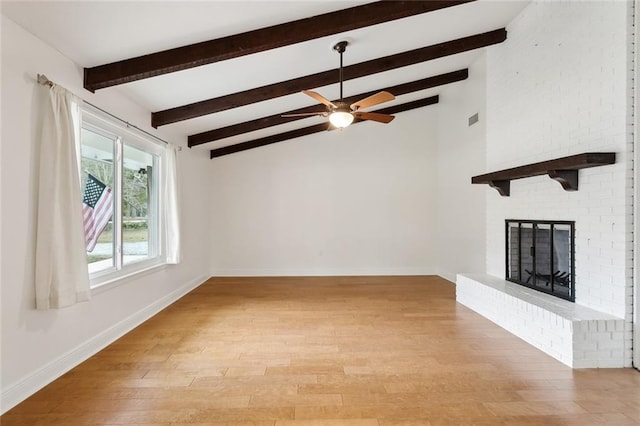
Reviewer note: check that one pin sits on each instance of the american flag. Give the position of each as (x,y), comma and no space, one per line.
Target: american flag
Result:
(97,208)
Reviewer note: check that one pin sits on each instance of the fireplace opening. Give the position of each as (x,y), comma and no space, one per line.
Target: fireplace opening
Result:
(540,255)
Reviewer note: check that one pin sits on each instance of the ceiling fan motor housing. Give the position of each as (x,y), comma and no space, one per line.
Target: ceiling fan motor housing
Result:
(341,106)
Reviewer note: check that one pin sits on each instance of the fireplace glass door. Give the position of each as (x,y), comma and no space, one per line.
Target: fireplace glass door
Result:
(540,256)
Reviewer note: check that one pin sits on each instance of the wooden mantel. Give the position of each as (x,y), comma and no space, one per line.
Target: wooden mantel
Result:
(563,170)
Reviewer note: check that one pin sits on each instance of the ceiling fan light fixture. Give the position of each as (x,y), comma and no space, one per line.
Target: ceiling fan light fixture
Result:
(341,119)
(340,113)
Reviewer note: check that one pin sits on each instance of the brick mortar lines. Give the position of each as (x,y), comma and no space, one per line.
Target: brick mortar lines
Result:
(595,116)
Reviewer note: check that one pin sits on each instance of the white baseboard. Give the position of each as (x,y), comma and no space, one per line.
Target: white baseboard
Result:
(448,276)
(56,368)
(321,272)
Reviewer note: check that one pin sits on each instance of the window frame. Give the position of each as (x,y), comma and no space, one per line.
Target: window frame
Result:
(96,121)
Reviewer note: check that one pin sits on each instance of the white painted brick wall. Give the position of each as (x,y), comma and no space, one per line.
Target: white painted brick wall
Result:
(560,86)
(576,336)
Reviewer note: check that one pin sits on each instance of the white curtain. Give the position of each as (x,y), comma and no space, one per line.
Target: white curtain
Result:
(61,274)
(169,188)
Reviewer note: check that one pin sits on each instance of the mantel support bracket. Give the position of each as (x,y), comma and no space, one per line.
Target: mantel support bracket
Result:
(502,186)
(567,178)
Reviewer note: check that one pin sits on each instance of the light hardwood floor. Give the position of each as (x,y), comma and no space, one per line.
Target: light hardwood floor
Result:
(354,351)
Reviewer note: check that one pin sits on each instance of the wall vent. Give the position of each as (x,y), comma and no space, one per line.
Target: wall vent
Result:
(473,119)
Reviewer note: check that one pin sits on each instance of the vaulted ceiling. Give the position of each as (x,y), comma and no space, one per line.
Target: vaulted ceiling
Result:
(223,73)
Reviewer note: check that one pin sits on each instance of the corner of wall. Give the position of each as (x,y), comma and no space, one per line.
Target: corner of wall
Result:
(461,150)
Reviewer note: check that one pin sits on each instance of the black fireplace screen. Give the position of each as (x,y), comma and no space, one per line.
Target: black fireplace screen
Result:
(540,255)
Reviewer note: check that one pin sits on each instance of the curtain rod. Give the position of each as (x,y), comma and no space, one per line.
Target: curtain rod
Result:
(43,80)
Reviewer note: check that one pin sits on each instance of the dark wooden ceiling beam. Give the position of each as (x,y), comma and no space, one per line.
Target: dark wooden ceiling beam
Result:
(208,52)
(276,119)
(324,78)
(256,143)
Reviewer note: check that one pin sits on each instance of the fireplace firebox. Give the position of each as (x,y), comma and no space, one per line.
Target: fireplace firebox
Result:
(540,255)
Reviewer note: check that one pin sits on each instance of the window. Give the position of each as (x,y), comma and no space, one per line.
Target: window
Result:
(120,179)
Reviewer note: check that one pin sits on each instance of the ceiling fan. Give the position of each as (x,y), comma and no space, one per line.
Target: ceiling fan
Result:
(340,113)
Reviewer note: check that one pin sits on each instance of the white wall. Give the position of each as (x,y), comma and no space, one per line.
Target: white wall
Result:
(360,201)
(559,86)
(636,194)
(461,207)
(39,345)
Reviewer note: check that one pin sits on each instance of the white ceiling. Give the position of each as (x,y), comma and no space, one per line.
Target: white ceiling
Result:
(94,33)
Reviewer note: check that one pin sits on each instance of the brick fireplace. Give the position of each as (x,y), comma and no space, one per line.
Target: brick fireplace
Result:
(561,85)
(535,301)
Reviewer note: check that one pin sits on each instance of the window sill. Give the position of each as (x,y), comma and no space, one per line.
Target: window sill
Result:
(103,284)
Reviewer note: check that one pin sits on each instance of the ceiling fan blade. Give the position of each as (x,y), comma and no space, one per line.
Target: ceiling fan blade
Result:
(374,116)
(306,114)
(372,100)
(318,97)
